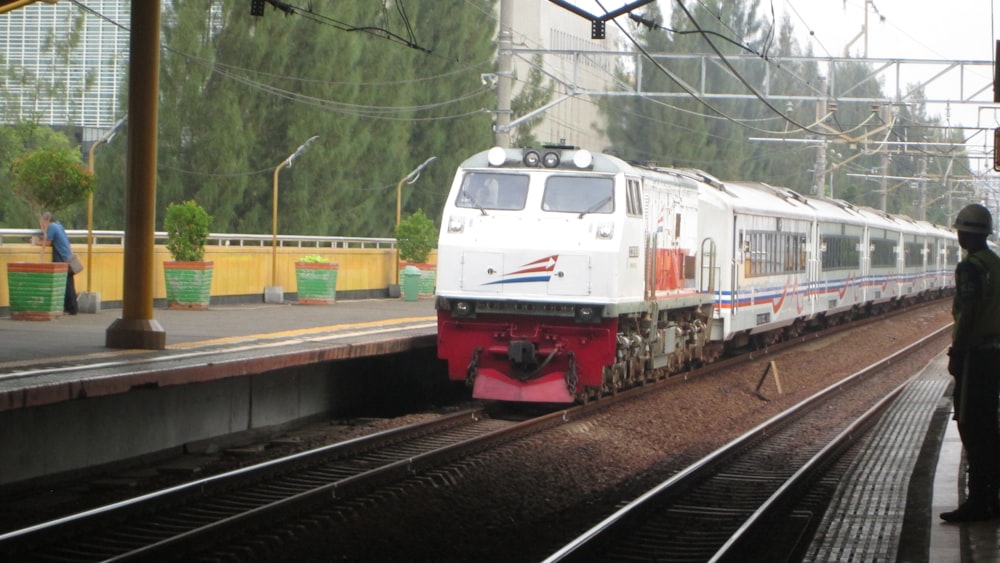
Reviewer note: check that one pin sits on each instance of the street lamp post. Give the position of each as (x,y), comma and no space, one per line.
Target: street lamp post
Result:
(274,293)
(408,179)
(91,302)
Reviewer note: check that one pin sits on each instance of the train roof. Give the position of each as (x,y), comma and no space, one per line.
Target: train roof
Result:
(768,200)
(764,199)
(567,159)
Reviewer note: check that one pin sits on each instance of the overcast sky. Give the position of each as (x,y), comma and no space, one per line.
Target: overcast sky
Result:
(959,30)
(913,29)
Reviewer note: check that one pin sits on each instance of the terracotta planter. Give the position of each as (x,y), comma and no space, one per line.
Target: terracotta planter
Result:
(316,282)
(36,290)
(189,284)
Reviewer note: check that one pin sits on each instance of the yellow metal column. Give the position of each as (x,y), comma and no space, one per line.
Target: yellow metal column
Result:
(137,328)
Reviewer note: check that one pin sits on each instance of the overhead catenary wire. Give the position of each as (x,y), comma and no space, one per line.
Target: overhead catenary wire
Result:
(378,31)
(694,95)
(743,80)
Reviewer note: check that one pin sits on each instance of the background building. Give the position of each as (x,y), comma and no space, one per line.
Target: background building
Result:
(64,67)
(539,24)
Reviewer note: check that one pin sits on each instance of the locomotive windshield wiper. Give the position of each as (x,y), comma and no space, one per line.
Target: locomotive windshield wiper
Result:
(595,207)
(475,202)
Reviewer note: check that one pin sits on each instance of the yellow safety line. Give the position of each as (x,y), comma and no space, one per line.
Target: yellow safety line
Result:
(296,332)
(216,342)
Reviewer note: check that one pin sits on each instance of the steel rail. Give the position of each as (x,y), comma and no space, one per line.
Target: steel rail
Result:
(595,542)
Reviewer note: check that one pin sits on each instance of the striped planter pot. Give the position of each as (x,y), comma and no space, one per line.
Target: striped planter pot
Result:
(36,290)
(189,284)
(316,282)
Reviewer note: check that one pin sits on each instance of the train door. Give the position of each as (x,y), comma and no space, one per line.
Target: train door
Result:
(741,264)
(671,236)
(866,262)
(814,263)
(668,258)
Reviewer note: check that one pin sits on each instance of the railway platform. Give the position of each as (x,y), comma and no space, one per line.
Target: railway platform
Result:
(909,470)
(69,402)
(43,362)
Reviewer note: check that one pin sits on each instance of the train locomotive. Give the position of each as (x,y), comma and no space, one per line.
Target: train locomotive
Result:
(564,274)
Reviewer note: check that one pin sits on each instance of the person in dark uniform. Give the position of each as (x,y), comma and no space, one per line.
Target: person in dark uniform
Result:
(974,361)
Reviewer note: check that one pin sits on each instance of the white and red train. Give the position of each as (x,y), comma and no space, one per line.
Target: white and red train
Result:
(564,274)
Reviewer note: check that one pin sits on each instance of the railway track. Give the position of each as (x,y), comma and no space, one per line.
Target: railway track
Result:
(738,504)
(195,515)
(273,501)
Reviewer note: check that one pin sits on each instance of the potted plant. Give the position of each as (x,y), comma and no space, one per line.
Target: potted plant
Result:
(416,236)
(188,276)
(51,179)
(316,280)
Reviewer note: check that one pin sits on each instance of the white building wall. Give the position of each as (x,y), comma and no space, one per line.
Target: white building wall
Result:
(540,24)
(83,93)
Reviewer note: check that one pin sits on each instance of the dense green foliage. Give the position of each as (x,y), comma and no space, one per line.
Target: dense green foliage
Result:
(187,226)
(15,143)
(51,179)
(240,93)
(416,237)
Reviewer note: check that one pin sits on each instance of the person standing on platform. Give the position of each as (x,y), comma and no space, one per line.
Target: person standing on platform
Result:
(974,361)
(54,235)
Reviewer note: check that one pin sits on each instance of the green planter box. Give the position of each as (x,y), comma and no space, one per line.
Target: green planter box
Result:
(36,290)
(316,282)
(189,284)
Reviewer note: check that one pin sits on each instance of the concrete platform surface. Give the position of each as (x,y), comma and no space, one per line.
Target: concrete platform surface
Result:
(42,362)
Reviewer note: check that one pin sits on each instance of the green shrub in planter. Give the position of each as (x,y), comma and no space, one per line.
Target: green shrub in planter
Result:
(416,236)
(51,179)
(188,276)
(187,231)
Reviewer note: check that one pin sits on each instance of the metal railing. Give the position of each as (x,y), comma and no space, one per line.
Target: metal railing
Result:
(216,239)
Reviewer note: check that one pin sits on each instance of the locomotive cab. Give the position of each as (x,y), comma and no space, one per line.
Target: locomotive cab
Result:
(550,265)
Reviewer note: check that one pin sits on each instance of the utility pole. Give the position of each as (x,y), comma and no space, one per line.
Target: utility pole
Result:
(883,187)
(923,188)
(505,74)
(820,168)
(885,117)
(947,189)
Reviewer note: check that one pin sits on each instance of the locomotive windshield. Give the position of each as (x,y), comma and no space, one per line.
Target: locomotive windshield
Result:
(489,190)
(575,194)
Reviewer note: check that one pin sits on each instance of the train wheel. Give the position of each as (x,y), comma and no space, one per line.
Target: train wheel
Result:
(617,379)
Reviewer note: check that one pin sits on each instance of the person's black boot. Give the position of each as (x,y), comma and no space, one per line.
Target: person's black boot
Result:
(971,511)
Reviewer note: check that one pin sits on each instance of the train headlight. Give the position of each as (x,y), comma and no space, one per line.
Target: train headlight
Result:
(587,314)
(531,158)
(550,160)
(606,231)
(462,309)
(497,156)
(582,159)
(456,225)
